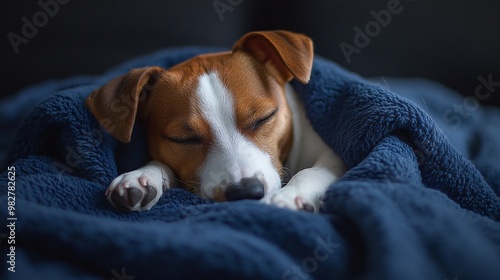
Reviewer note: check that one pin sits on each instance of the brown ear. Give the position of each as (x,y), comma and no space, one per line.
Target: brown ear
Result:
(115,105)
(285,54)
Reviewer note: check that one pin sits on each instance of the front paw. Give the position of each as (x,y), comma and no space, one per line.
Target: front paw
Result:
(136,190)
(289,197)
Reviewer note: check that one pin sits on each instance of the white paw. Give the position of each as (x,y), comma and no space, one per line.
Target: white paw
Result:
(136,190)
(290,197)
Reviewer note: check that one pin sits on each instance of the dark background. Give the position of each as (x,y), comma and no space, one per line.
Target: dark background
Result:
(450,41)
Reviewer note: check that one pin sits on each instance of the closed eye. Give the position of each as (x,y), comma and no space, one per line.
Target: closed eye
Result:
(192,141)
(260,122)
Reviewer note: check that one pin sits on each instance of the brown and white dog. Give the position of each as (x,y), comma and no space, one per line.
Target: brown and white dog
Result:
(222,125)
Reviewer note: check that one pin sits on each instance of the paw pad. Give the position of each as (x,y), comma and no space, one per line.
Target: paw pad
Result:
(135,191)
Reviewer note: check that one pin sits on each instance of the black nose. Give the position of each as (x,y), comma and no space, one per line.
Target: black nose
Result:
(247,188)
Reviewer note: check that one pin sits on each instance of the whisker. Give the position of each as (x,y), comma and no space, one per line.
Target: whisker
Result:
(285,175)
(285,171)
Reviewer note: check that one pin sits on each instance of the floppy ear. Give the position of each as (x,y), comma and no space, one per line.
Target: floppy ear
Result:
(116,104)
(284,54)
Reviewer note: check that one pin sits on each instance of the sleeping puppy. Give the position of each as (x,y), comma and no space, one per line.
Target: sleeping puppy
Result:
(222,125)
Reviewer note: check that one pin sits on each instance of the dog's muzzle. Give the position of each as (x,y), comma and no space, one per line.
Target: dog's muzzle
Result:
(247,188)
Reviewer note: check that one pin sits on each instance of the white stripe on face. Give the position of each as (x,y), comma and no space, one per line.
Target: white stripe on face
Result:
(231,156)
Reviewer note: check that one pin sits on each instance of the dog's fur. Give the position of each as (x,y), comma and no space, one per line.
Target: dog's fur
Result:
(222,125)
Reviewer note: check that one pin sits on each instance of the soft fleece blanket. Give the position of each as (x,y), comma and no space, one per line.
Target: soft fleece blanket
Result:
(414,204)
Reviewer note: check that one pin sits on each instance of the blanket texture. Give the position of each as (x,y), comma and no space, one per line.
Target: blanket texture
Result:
(419,201)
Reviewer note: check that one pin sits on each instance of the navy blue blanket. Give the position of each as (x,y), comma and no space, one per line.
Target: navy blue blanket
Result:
(414,204)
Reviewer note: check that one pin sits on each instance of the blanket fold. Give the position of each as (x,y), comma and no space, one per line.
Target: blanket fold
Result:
(414,204)
(368,113)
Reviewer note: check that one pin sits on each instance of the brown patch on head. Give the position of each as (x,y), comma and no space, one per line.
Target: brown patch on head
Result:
(258,95)
(271,58)
(172,117)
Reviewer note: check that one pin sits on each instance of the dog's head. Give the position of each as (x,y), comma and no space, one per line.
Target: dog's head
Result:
(219,121)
